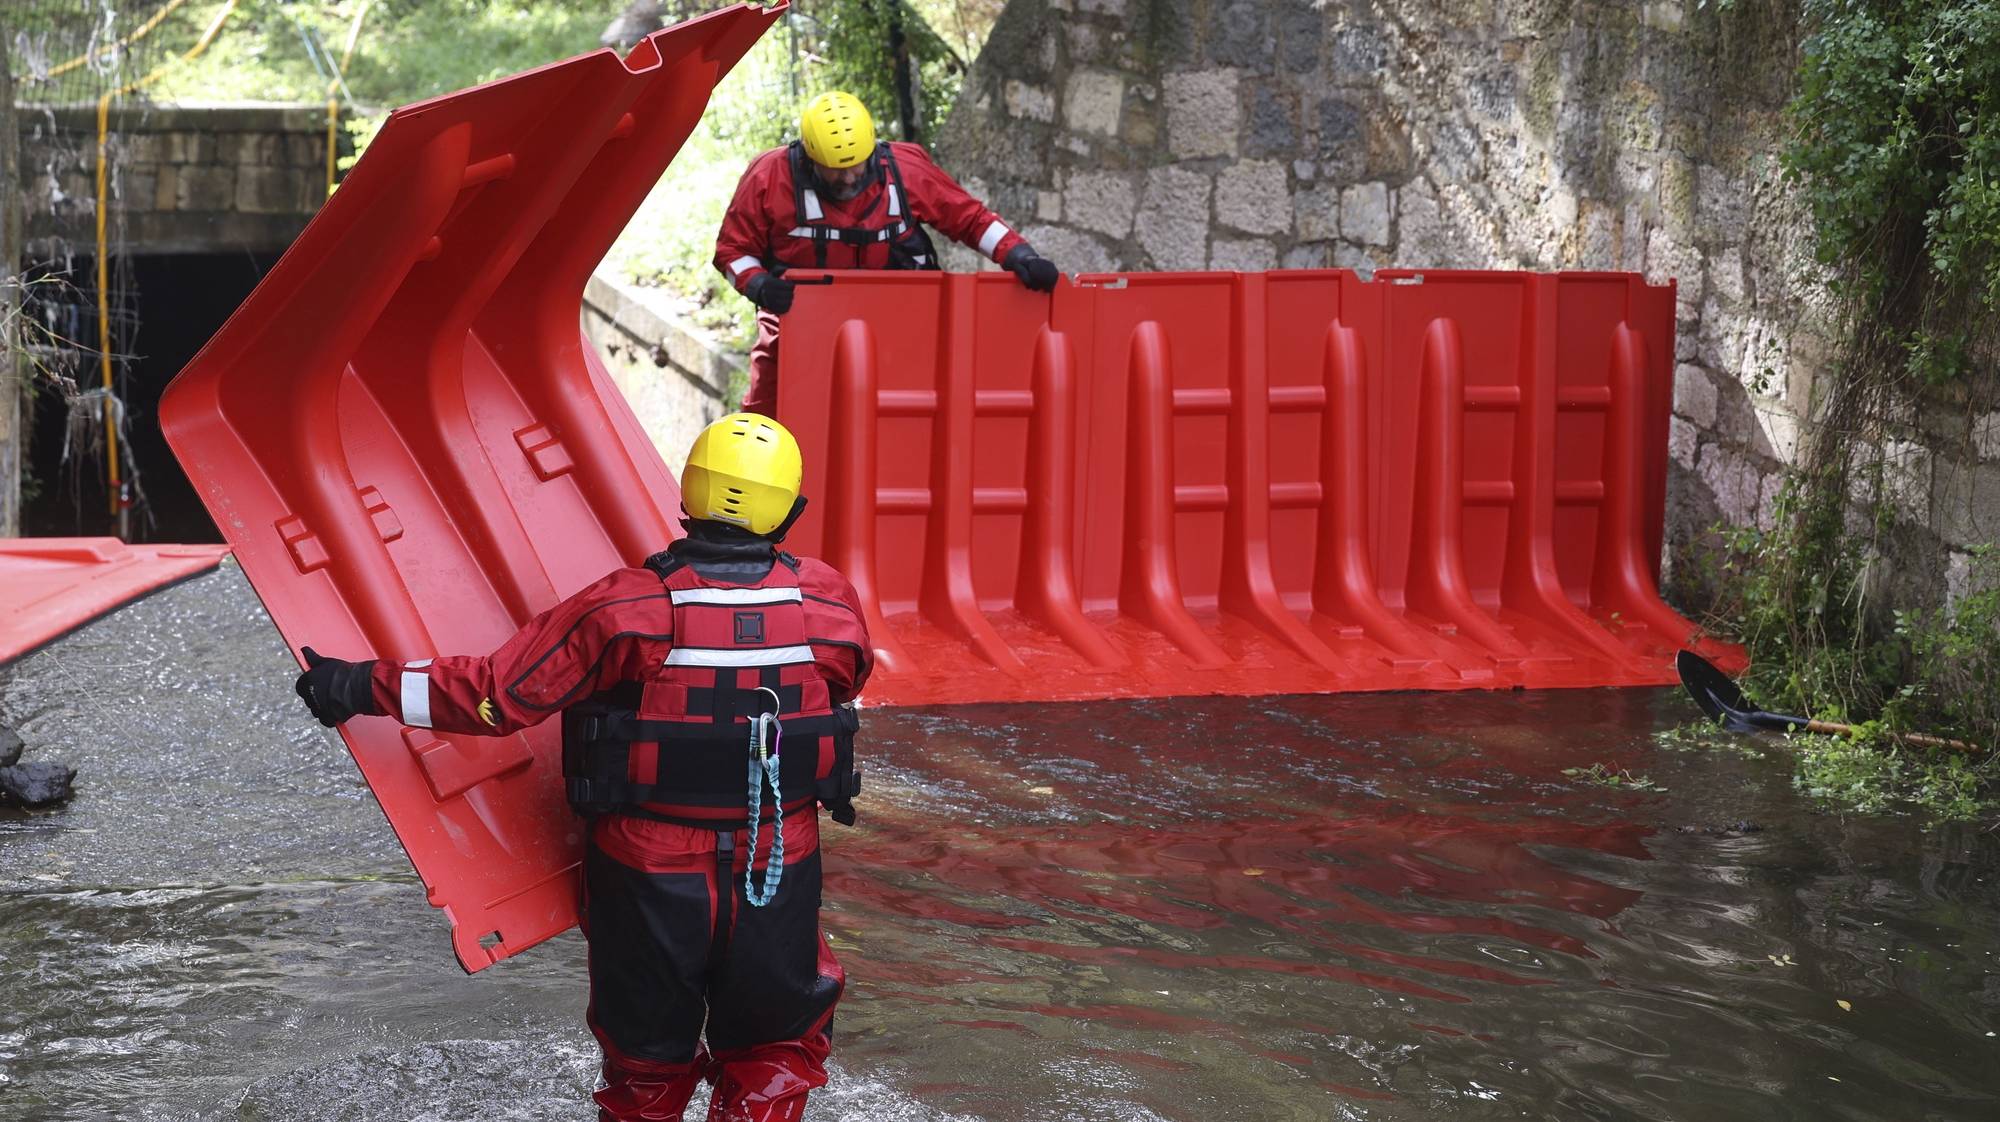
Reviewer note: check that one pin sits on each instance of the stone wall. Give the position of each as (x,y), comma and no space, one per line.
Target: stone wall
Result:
(676,381)
(187,178)
(1522,134)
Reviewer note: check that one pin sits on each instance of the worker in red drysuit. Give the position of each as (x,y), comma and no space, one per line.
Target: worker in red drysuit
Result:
(836,199)
(668,676)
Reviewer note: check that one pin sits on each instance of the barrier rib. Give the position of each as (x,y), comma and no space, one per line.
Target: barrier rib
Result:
(1624,582)
(1248,588)
(1045,589)
(1344,587)
(1437,585)
(1532,584)
(1149,589)
(851,482)
(947,597)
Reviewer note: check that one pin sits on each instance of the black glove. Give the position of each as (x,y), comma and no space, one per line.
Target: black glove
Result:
(771,293)
(1038,273)
(335,690)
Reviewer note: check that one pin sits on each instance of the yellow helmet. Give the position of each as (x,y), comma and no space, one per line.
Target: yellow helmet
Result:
(837,130)
(745,470)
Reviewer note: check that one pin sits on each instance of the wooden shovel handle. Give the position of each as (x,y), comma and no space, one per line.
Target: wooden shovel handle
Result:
(1923,740)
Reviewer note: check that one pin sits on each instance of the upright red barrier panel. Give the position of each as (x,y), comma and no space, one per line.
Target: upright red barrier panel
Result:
(1241,483)
(412,450)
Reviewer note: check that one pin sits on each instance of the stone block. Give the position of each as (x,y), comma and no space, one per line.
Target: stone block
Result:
(1031,103)
(1683,442)
(1172,225)
(1722,203)
(1780,433)
(304,150)
(1072,250)
(1254,196)
(191,147)
(1272,128)
(1300,29)
(1725,276)
(250,149)
(1308,255)
(1965,502)
(1100,201)
(144,148)
(1239,35)
(1112,8)
(1735,482)
(1201,113)
(1048,206)
(1694,395)
(1906,480)
(1986,437)
(1249,255)
(205,187)
(1364,213)
(1092,101)
(166,189)
(1342,134)
(1316,213)
(1361,52)
(137,187)
(1086,42)
(266,190)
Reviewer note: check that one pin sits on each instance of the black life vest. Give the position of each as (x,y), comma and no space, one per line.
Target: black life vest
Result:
(909,246)
(676,747)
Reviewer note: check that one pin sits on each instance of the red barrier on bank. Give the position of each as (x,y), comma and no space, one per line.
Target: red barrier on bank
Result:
(412,449)
(1241,483)
(50,586)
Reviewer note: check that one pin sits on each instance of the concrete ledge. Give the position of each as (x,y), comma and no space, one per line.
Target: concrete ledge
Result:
(186,116)
(675,380)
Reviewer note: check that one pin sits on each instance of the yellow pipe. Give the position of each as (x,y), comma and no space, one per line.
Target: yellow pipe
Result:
(103,244)
(127,41)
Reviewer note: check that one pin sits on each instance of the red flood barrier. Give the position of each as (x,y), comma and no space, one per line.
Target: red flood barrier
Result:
(1219,483)
(50,586)
(412,449)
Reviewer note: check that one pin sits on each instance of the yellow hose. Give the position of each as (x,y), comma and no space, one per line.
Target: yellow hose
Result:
(103,245)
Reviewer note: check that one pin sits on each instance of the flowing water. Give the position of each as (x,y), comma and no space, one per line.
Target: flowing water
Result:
(1370,907)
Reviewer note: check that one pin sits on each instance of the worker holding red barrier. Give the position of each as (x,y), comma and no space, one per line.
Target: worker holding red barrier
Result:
(698,690)
(837,199)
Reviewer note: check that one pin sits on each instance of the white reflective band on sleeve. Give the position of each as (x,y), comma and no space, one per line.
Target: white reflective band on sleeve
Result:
(895,202)
(736,596)
(813,212)
(417,696)
(992,236)
(767,656)
(743,265)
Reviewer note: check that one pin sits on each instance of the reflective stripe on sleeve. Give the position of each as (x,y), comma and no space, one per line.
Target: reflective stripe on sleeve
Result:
(991,238)
(736,596)
(743,265)
(763,656)
(417,695)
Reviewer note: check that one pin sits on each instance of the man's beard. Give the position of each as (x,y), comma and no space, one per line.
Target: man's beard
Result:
(842,194)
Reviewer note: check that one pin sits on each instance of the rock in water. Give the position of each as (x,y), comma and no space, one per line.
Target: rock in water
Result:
(10,746)
(36,784)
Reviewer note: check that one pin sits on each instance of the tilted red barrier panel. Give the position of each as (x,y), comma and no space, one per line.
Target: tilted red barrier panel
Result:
(412,450)
(1205,483)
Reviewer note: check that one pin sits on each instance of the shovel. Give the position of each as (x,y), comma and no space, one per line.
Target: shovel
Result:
(1726,706)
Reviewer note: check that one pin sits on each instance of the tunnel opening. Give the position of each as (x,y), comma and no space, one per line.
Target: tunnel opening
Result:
(167,308)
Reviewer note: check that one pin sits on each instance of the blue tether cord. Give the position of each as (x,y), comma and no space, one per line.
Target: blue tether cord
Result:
(763,765)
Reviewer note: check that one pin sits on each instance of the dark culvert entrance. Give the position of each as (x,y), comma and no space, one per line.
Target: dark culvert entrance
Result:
(171,305)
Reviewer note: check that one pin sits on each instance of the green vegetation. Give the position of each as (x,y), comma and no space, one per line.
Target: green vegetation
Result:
(1897,156)
(1612,777)
(408,50)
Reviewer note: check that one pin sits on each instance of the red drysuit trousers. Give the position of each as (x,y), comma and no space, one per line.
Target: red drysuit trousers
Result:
(675,946)
(762,396)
